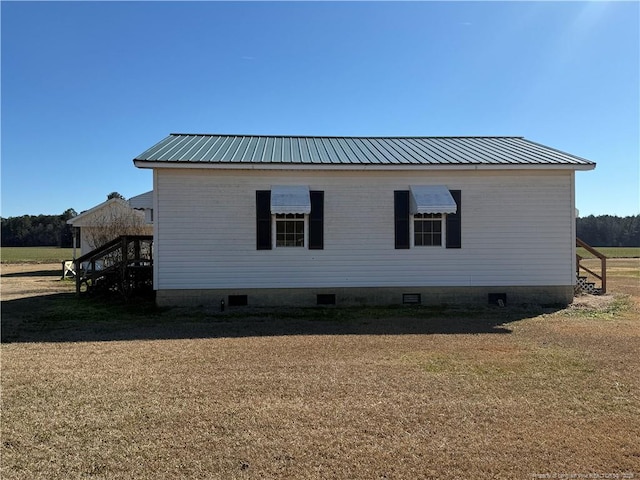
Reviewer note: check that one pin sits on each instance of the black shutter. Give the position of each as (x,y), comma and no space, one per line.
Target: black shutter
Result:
(263,219)
(401,215)
(454,222)
(316,220)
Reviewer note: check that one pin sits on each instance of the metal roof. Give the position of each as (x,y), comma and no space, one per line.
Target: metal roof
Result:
(144,200)
(179,148)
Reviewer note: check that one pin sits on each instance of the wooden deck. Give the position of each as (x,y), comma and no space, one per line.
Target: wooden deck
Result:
(124,265)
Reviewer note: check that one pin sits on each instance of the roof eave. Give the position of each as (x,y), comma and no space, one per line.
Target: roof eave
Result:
(358,166)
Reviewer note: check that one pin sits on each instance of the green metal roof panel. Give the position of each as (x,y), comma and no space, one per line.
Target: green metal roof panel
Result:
(221,149)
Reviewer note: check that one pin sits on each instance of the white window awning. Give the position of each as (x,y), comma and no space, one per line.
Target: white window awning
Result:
(290,199)
(432,199)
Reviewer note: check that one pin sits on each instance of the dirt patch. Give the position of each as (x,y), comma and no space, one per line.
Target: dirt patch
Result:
(32,280)
(592,302)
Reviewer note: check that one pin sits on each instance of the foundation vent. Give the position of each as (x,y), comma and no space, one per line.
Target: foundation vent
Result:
(499,299)
(411,299)
(326,299)
(238,300)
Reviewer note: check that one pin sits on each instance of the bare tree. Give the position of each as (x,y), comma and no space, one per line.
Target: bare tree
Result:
(117,221)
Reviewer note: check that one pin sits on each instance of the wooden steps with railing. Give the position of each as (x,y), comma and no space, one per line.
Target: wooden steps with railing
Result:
(123,265)
(588,282)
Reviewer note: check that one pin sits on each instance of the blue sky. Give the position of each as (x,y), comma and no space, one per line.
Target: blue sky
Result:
(88,86)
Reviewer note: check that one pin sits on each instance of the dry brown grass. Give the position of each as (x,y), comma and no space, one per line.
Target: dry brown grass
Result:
(558,395)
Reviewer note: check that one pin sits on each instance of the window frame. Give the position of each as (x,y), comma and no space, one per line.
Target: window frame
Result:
(415,217)
(305,229)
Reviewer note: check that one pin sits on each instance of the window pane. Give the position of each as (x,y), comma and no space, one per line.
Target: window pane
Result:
(427,230)
(290,230)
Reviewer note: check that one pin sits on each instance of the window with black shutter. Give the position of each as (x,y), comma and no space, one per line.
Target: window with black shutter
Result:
(289,229)
(426,216)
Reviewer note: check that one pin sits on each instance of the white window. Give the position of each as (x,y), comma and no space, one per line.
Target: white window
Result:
(290,209)
(428,229)
(290,229)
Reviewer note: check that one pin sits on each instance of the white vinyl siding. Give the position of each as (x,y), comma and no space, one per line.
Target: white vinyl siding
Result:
(516,231)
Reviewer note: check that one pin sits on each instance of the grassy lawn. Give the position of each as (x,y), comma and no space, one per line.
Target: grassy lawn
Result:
(97,390)
(612,252)
(35,254)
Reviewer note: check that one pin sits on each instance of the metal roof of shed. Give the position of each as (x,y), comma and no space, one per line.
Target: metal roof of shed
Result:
(194,149)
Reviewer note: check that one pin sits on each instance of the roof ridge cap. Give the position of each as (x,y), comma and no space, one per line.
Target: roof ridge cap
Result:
(339,136)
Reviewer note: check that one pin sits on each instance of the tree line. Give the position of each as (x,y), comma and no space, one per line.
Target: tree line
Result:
(609,231)
(42,230)
(52,230)
(38,230)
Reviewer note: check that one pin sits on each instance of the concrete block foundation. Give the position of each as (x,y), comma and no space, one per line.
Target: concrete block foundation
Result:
(560,295)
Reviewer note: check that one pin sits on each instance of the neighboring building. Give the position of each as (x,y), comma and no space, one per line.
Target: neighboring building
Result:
(112,218)
(279,220)
(144,203)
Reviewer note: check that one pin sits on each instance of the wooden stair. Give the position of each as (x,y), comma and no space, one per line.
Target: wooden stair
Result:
(587,279)
(583,285)
(123,265)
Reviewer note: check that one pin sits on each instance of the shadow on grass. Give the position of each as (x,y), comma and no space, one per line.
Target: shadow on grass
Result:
(37,273)
(66,318)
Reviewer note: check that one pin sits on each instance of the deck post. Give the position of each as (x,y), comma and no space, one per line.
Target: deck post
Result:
(136,249)
(123,264)
(78,276)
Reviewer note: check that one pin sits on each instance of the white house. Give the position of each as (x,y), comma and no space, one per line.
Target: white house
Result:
(281,220)
(114,215)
